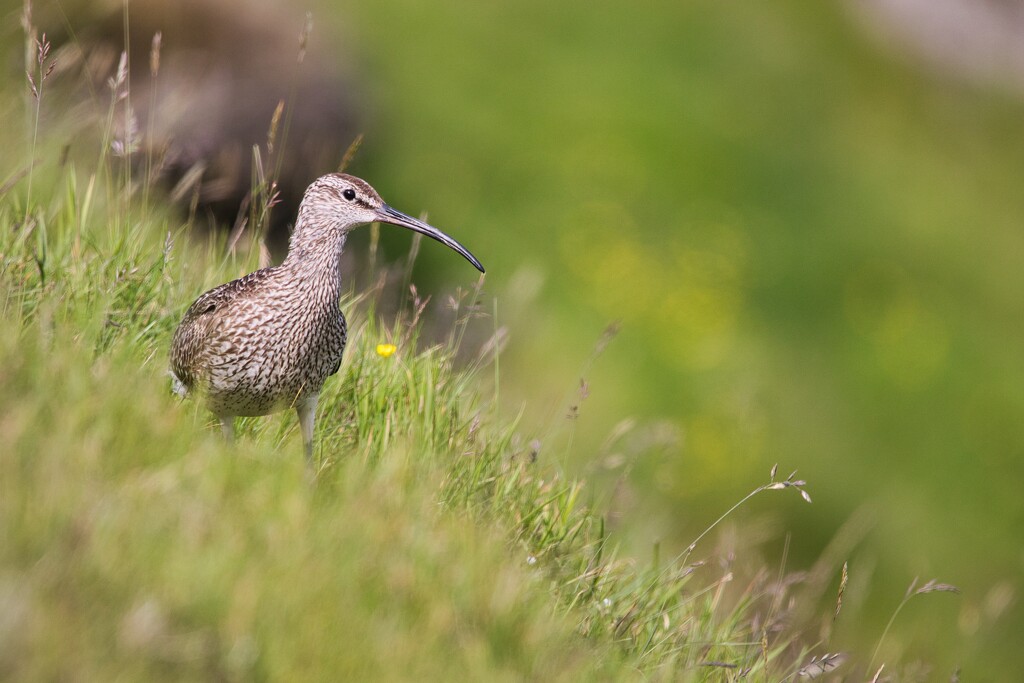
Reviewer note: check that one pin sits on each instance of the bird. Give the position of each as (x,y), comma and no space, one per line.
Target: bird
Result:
(269,340)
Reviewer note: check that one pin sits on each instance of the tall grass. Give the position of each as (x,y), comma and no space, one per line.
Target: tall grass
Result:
(432,543)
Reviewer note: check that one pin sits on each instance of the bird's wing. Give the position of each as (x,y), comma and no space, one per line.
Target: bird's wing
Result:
(201,317)
(224,294)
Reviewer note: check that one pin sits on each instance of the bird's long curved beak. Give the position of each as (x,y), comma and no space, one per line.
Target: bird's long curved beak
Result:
(386,214)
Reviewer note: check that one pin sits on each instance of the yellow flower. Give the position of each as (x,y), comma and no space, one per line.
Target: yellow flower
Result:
(386,350)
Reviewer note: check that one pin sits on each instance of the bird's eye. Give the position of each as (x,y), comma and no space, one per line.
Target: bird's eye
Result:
(348,193)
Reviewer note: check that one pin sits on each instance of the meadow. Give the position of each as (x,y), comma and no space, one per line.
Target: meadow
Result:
(428,541)
(717,238)
(812,244)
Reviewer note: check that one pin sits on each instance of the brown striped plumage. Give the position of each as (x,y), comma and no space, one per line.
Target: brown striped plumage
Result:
(269,340)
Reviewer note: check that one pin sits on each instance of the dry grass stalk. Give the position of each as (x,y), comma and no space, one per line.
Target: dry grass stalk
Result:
(931,586)
(154,54)
(275,121)
(842,589)
(350,153)
(819,667)
(42,72)
(307,29)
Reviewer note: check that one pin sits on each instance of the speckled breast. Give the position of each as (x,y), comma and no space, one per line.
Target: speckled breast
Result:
(280,356)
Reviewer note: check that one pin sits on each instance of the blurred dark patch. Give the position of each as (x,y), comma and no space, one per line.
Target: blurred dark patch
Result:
(208,94)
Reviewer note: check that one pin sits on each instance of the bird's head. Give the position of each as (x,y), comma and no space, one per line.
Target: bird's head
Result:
(336,203)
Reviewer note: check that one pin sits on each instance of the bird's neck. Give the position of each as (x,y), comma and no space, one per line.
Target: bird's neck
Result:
(316,264)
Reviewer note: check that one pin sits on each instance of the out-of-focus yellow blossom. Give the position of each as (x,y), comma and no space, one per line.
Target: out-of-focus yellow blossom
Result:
(386,350)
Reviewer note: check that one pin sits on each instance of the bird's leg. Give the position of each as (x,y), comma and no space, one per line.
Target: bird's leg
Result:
(227,427)
(306,410)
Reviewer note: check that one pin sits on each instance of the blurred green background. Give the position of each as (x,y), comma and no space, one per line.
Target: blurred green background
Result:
(815,248)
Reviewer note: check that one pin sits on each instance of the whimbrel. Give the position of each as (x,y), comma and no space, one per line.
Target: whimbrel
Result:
(269,340)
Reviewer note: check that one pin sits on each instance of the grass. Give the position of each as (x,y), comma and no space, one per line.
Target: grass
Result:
(812,244)
(434,541)
(431,543)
